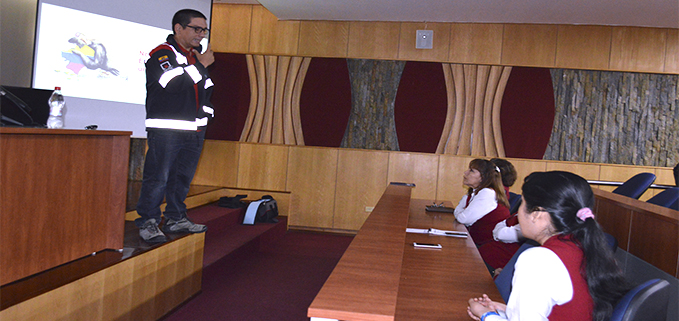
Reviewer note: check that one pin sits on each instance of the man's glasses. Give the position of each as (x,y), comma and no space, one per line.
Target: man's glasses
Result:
(199,30)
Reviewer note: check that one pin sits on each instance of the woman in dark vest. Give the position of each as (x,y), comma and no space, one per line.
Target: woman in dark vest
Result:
(485,203)
(572,275)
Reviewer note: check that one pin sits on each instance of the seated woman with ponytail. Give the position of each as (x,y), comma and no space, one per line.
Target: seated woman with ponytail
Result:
(572,275)
(485,203)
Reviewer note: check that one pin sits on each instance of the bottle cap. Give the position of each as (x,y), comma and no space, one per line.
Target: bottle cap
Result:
(57,88)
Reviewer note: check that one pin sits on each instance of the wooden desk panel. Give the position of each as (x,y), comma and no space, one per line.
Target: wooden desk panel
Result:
(63,196)
(383,277)
(648,231)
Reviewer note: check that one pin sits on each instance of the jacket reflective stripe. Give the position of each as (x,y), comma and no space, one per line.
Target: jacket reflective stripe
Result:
(171,124)
(209,110)
(194,73)
(201,121)
(208,83)
(181,59)
(169,75)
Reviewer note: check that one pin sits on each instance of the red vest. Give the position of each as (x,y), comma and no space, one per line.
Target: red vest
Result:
(482,230)
(581,306)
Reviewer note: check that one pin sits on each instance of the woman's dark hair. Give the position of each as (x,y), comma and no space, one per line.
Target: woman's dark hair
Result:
(507,171)
(491,178)
(183,17)
(562,195)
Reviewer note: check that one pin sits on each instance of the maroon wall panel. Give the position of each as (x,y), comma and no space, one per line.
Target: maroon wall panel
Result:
(325,102)
(527,112)
(230,97)
(420,107)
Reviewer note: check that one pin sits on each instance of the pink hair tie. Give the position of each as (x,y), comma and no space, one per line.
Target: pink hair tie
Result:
(585,213)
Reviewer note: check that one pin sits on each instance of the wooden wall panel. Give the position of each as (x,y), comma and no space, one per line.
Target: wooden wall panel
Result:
(664,176)
(631,49)
(450,186)
(621,173)
(439,52)
(640,49)
(672,52)
(529,45)
(375,40)
(361,180)
(218,164)
(312,173)
(588,171)
(573,41)
(475,43)
(230,28)
(262,166)
(323,38)
(421,169)
(524,168)
(271,36)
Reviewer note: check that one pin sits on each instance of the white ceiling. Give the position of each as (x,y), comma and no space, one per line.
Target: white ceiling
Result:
(642,13)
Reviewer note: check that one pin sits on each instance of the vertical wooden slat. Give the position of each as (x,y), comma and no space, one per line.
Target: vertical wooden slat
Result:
(479,114)
(497,104)
(296,94)
(488,119)
(254,95)
(281,78)
(450,113)
(288,131)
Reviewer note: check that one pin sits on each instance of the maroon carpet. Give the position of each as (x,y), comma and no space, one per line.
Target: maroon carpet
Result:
(279,282)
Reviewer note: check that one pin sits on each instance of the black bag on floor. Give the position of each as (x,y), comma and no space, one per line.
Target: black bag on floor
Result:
(264,210)
(232,202)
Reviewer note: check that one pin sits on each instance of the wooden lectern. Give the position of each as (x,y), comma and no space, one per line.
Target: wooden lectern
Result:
(62,196)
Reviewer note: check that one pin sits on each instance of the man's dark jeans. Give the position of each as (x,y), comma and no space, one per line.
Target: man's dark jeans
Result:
(170,164)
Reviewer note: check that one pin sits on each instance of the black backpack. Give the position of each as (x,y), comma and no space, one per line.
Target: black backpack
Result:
(267,210)
(233,202)
(264,210)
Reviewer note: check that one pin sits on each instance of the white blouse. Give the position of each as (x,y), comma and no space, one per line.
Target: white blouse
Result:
(540,282)
(482,203)
(507,234)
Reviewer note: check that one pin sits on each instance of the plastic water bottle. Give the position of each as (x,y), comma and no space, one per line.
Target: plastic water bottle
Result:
(57,109)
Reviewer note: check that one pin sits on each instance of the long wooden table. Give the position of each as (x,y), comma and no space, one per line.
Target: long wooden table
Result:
(383,277)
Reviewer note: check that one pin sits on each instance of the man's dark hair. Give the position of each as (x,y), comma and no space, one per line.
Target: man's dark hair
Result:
(183,17)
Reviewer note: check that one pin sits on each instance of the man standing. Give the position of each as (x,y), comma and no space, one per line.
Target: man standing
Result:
(178,89)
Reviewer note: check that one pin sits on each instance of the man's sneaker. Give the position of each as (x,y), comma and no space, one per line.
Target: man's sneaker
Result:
(150,233)
(183,226)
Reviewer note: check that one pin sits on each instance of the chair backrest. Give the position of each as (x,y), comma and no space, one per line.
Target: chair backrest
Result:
(667,198)
(647,301)
(514,202)
(612,242)
(636,185)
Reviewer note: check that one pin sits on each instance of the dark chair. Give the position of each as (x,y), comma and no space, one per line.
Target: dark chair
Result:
(667,198)
(514,202)
(636,185)
(648,301)
(612,242)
